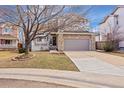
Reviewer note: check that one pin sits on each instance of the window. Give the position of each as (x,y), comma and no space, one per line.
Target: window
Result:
(2,41)
(39,39)
(8,41)
(7,30)
(116,19)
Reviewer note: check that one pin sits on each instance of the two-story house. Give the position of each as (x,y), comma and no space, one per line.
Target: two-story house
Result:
(113,23)
(8,37)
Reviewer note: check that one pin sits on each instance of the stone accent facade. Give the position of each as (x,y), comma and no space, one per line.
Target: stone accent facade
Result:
(60,42)
(93,47)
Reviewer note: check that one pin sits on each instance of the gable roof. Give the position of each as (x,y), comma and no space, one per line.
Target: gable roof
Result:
(104,20)
(60,20)
(120,6)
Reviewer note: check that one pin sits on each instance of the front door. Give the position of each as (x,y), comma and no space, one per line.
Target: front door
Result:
(54,41)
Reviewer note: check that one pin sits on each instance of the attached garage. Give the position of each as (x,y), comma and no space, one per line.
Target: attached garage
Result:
(75,41)
(76,44)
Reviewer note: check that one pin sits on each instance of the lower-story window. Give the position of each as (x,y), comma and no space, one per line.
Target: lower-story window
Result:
(39,39)
(5,41)
(8,41)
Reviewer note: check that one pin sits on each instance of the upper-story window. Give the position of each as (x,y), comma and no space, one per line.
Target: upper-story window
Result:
(116,19)
(7,30)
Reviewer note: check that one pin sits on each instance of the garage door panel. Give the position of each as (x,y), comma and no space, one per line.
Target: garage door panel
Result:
(76,45)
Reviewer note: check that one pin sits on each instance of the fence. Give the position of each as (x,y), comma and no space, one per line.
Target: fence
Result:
(100,45)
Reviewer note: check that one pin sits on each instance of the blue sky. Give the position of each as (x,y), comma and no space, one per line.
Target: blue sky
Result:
(96,13)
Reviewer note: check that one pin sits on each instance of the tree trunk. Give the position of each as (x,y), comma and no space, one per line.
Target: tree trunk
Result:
(26,48)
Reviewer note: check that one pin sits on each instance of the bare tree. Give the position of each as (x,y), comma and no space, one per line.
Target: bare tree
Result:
(69,22)
(30,19)
(38,20)
(112,33)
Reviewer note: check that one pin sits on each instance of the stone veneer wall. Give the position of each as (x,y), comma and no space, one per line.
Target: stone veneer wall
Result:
(93,47)
(60,42)
(61,37)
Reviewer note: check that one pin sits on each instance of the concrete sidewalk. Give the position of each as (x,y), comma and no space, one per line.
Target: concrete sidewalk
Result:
(69,78)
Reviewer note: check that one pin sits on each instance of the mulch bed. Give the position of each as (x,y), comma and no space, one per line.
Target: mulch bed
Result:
(22,57)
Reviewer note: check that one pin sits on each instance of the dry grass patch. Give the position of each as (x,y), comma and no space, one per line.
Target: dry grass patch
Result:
(43,60)
(117,54)
(7,54)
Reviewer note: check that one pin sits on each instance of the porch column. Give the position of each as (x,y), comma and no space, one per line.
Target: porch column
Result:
(14,43)
(0,41)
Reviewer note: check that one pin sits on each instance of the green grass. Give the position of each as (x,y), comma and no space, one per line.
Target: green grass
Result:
(43,60)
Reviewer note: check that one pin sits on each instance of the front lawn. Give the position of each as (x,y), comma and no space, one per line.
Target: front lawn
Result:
(43,60)
(7,54)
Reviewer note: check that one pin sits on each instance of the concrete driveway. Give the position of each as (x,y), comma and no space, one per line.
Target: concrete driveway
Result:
(95,62)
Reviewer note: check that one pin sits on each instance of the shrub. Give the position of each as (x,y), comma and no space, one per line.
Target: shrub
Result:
(109,47)
(21,50)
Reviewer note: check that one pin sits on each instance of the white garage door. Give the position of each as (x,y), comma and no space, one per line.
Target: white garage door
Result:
(76,45)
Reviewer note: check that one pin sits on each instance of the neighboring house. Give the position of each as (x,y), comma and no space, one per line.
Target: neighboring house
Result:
(8,37)
(97,37)
(97,34)
(113,22)
(73,39)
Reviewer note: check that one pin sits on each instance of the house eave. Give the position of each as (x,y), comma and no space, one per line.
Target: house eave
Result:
(104,20)
(73,33)
(8,37)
